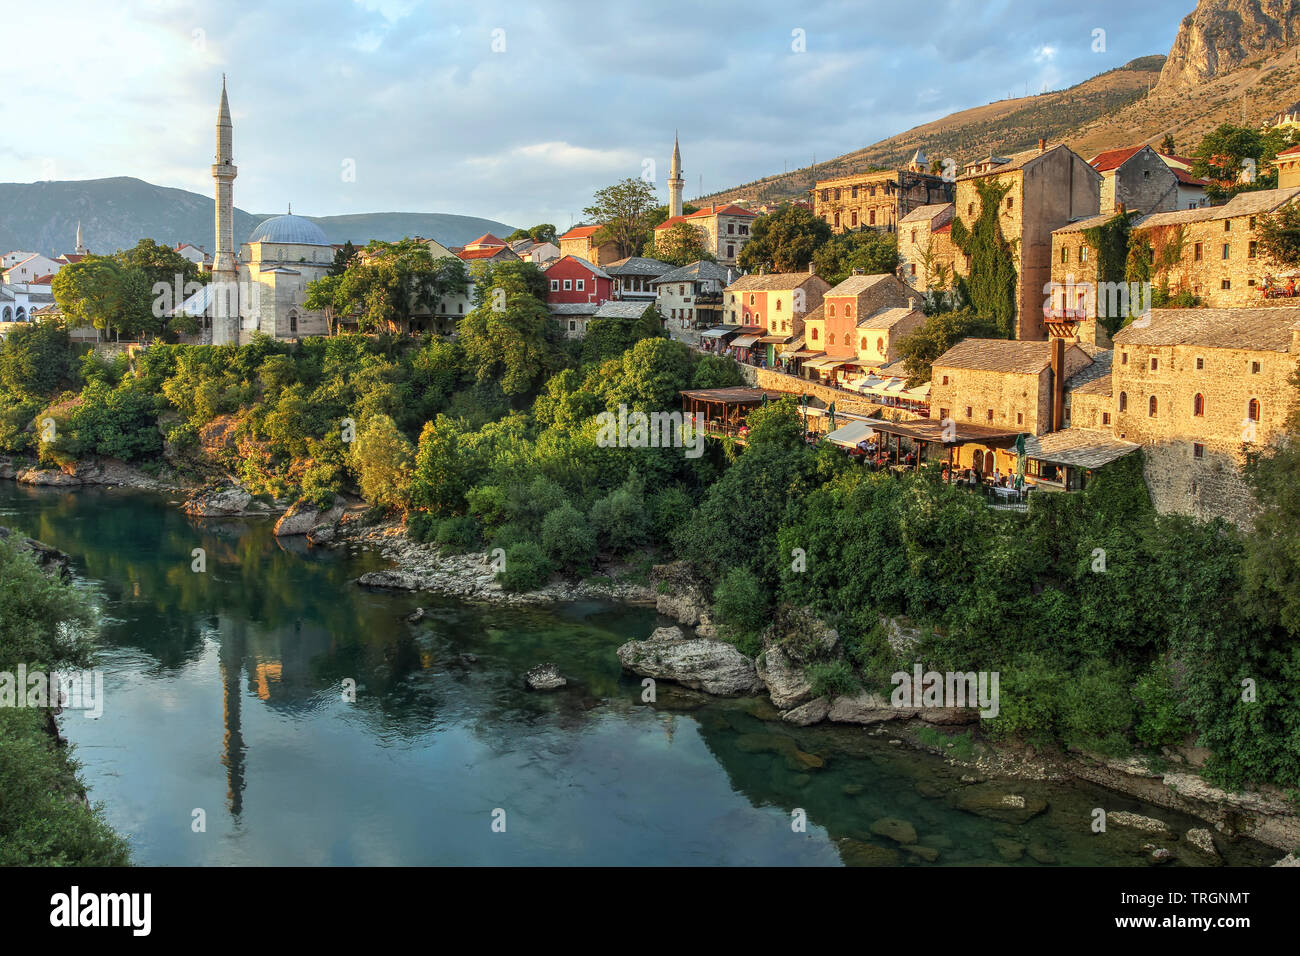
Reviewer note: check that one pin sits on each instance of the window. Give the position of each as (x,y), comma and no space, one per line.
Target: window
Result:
(1254,368)
(826,194)
(837,194)
(831,311)
(943,413)
(863,343)
(914,235)
(945,380)
(751,298)
(1252,410)
(1146,174)
(853,218)
(1200,364)
(293,323)
(1083,254)
(581,286)
(968,411)
(854,192)
(989,415)
(573,325)
(1020,418)
(970,209)
(1252,222)
(1198,405)
(830,339)
(848,312)
(913,268)
(778,305)
(1227,225)
(1225,284)
(1155,363)
(1065,254)
(814,333)
(1105,418)
(731,228)
(1198,450)
(1226,248)
(1123,358)
(871,218)
(1010,203)
(1251,247)
(1196,252)
(744,230)
(681,290)
(1123,401)
(555,285)
(568,285)
(1152,407)
(731,252)
(880,346)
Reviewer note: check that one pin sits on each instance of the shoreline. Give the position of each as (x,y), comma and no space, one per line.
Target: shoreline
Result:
(1263,815)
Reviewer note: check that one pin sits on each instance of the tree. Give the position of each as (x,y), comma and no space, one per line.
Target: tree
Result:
(389,284)
(1272,562)
(623,211)
(510,336)
(680,244)
(343,257)
(92,291)
(1279,235)
(871,251)
(785,241)
(610,338)
(383,459)
(541,233)
(940,333)
(36,360)
(1167,145)
(1238,158)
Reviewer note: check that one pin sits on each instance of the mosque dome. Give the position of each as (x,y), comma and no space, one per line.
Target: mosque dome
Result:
(290,229)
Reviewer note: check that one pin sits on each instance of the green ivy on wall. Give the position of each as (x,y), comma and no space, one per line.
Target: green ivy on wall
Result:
(991,285)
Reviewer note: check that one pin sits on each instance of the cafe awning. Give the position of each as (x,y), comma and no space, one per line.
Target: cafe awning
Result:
(851,434)
(805,354)
(823,363)
(719,331)
(774,339)
(744,341)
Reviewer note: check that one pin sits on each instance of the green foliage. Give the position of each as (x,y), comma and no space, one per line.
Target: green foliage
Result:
(778,423)
(938,334)
(740,605)
(456,534)
(1279,235)
(610,338)
(1160,720)
(384,287)
(623,210)
(832,678)
(621,519)
(716,371)
(680,244)
(383,460)
(526,567)
(869,250)
(990,286)
(568,538)
(36,361)
(784,241)
(516,344)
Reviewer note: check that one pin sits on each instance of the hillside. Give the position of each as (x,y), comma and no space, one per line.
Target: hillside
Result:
(1233,61)
(115,213)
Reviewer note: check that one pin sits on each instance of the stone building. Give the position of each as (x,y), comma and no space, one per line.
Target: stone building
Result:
(1136,178)
(1046,189)
(835,331)
(1214,253)
(927,256)
(691,298)
(878,199)
(578,242)
(776,301)
(1288,168)
(879,335)
(1074,300)
(725,229)
(1198,389)
(633,277)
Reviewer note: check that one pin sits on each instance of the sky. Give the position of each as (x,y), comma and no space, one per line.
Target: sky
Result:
(519,111)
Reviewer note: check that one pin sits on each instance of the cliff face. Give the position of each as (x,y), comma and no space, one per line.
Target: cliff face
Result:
(1220,35)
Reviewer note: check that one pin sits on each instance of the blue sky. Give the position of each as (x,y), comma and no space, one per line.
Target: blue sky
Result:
(518,111)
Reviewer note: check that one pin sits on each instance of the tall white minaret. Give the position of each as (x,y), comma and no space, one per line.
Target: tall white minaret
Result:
(675,181)
(81,249)
(225,270)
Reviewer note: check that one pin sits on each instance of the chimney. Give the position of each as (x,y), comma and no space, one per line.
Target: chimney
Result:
(1057,345)
(812,269)
(1042,144)
(911,304)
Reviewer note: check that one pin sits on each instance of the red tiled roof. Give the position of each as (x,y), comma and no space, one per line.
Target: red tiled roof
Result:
(579,232)
(1113,158)
(1293,151)
(487,239)
(670,222)
(1186,178)
(44,280)
(487,253)
(71,257)
(730,209)
(945,228)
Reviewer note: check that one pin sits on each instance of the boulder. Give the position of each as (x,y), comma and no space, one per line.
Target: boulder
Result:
(998,804)
(1135,821)
(227,503)
(679,594)
(545,677)
(813,712)
(47,477)
(900,831)
(1202,840)
(416,616)
(802,636)
(858,853)
(303,517)
(713,666)
(8,469)
(393,580)
(785,680)
(949,715)
(866,708)
(1009,850)
(322,534)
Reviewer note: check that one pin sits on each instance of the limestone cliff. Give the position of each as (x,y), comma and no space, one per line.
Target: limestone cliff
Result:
(1221,35)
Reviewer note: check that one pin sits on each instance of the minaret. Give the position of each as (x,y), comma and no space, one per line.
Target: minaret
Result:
(81,249)
(675,182)
(225,270)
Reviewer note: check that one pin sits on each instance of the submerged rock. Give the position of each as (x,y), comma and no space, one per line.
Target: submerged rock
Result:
(545,677)
(813,712)
(900,831)
(858,853)
(1135,821)
(305,517)
(1009,850)
(715,667)
(996,804)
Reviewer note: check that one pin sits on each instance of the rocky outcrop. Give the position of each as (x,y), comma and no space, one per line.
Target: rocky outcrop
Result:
(1122,818)
(1221,35)
(92,471)
(996,803)
(304,518)
(50,560)
(682,597)
(545,677)
(785,680)
(712,666)
(813,712)
(225,503)
(866,708)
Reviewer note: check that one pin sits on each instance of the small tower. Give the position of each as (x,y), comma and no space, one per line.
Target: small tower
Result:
(675,182)
(225,270)
(81,249)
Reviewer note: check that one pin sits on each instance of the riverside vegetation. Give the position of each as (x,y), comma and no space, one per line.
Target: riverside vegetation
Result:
(490,441)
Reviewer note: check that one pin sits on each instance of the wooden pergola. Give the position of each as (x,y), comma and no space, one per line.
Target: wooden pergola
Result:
(722,411)
(925,433)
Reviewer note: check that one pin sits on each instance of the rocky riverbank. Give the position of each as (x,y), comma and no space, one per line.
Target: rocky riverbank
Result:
(702,662)
(103,472)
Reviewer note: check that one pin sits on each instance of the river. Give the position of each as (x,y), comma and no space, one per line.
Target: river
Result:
(224,706)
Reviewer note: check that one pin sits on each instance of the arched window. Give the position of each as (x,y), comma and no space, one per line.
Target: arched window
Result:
(1151,406)
(832,310)
(751,298)
(1123,401)
(880,346)
(1252,410)
(830,339)
(293,323)
(778,305)
(8,314)
(814,334)
(22,314)
(871,218)
(848,312)
(1198,405)
(863,346)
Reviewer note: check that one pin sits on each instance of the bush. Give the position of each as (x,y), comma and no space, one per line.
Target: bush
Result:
(620,518)
(526,568)
(740,605)
(457,534)
(669,510)
(421,526)
(1159,720)
(832,678)
(567,538)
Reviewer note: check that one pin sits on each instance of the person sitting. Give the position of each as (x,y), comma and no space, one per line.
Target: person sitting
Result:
(1290,286)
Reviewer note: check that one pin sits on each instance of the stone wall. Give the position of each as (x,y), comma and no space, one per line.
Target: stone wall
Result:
(1143,184)
(844,401)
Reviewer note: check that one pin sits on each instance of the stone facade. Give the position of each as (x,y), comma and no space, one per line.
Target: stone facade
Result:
(776,301)
(876,200)
(1048,188)
(926,253)
(835,332)
(1220,384)
(1141,182)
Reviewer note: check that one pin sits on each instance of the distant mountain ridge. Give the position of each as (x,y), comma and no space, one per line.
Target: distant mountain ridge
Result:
(116,213)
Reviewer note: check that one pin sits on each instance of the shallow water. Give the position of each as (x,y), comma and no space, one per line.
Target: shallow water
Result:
(224,695)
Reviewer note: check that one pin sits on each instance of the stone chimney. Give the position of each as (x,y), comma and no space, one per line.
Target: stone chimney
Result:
(1057,346)
(1042,144)
(812,269)
(911,304)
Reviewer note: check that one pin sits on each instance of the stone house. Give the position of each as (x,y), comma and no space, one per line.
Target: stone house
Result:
(925,249)
(879,334)
(1198,389)
(1138,178)
(578,242)
(1214,253)
(691,297)
(1074,300)
(835,332)
(1046,188)
(726,229)
(633,277)
(878,199)
(776,301)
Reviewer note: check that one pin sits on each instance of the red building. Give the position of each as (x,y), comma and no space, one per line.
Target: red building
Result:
(575,280)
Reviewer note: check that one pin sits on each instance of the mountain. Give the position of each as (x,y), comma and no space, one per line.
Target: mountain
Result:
(115,213)
(1233,61)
